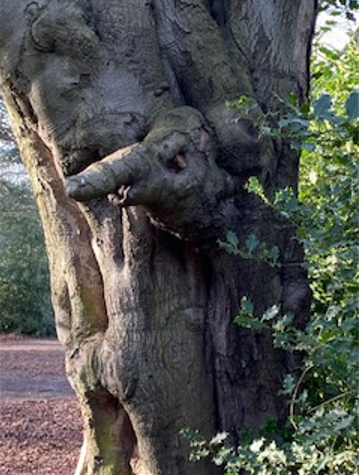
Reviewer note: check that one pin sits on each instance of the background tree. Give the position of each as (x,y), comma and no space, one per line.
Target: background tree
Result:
(24,276)
(144,296)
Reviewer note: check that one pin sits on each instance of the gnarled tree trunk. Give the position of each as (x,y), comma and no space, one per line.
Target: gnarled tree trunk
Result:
(138,166)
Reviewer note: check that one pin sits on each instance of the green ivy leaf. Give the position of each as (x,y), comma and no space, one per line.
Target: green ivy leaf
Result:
(219,438)
(232,239)
(247,306)
(322,106)
(248,322)
(294,99)
(310,147)
(252,243)
(254,186)
(271,313)
(352,106)
(274,254)
(344,423)
(289,384)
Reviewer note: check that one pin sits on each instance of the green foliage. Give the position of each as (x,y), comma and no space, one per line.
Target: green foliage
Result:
(329,185)
(255,249)
(321,437)
(308,453)
(246,316)
(25,305)
(24,278)
(335,8)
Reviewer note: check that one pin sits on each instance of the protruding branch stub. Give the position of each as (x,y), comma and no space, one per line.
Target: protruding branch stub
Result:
(172,173)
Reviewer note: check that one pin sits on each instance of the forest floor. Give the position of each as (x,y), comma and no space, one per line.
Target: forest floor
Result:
(40,427)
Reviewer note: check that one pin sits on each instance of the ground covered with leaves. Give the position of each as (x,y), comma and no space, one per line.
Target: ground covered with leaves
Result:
(40,427)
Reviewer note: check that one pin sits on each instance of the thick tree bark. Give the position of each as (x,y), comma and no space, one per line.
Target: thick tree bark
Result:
(138,166)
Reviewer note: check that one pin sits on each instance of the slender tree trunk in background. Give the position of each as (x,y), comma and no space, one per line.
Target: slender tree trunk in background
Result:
(144,297)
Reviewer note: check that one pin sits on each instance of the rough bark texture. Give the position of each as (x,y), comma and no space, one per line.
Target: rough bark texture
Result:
(138,167)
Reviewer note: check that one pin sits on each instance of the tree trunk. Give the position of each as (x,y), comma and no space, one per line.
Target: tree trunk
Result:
(138,167)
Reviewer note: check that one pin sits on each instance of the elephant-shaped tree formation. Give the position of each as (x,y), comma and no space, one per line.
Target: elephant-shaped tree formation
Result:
(138,167)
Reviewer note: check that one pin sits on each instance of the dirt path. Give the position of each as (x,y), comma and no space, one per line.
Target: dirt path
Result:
(40,429)
(33,369)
